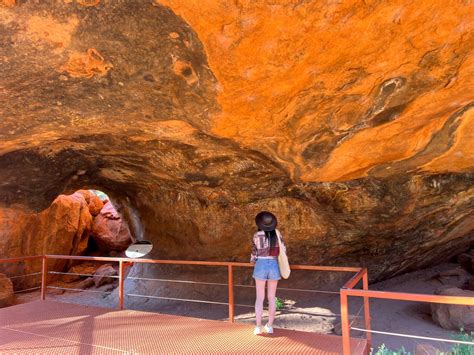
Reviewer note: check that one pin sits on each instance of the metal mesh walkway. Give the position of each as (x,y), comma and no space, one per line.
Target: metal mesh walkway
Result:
(47,327)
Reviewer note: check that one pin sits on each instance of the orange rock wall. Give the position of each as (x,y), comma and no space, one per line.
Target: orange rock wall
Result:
(352,121)
(293,74)
(62,229)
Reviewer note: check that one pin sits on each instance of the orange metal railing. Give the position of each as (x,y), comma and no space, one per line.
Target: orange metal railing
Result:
(124,262)
(348,290)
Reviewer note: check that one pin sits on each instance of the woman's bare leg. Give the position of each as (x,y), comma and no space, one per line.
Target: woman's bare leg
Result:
(271,293)
(260,289)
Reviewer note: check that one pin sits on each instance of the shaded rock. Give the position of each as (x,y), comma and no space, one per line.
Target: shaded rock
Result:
(87,283)
(426,349)
(14,236)
(102,273)
(84,269)
(322,320)
(453,317)
(56,291)
(457,277)
(470,285)
(109,230)
(355,321)
(86,64)
(110,287)
(466,261)
(6,291)
(312,319)
(109,211)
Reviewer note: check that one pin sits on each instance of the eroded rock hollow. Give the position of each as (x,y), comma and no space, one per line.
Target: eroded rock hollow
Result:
(352,122)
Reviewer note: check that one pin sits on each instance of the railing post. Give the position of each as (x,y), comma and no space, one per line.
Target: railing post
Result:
(365,286)
(231,293)
(44,274)
(346,340)
(121,282)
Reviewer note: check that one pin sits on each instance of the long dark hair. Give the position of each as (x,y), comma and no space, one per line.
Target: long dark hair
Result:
(272,236)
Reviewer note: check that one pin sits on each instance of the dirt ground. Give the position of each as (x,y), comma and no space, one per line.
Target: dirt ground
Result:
(315,310)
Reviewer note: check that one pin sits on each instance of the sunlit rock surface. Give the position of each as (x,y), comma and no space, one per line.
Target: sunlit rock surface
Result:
(63,229)
(353,122)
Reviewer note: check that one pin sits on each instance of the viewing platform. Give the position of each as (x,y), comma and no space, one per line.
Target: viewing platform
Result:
(47,327)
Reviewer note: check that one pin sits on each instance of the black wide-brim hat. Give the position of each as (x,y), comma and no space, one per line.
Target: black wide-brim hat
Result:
(266,221)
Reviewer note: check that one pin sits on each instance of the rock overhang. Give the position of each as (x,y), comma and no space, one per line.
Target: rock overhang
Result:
(351,121)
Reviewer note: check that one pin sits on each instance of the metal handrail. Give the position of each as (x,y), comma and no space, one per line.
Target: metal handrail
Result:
(21,258)
(176,299)
(179,281)
(195,262)
(18,259)
(415,336)
(27,289)
(77,289)
(348,290)
(78,274)
(415,297)
(25,275)
(124,262)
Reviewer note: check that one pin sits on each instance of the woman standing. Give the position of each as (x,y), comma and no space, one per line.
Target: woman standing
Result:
(265,252)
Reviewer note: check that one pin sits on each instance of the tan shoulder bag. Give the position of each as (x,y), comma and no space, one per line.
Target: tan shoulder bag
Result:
(283,259)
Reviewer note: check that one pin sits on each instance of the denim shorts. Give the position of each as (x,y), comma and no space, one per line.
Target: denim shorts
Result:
(266,269)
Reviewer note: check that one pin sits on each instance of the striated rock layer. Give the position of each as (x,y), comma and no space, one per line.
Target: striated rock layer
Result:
(351,121)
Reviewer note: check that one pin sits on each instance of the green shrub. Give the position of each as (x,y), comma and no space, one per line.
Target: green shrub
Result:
(457,349)
(279,304)
(383,350)
(463,349)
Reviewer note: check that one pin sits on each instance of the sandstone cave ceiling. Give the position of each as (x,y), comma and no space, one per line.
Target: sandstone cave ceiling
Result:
(353,120)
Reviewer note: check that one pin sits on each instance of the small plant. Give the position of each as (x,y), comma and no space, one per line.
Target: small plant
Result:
(458,349)
(463,349)
(383,350)
(279,304)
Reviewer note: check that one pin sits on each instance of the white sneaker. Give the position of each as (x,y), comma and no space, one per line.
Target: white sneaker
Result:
(268,329)
(257,331)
